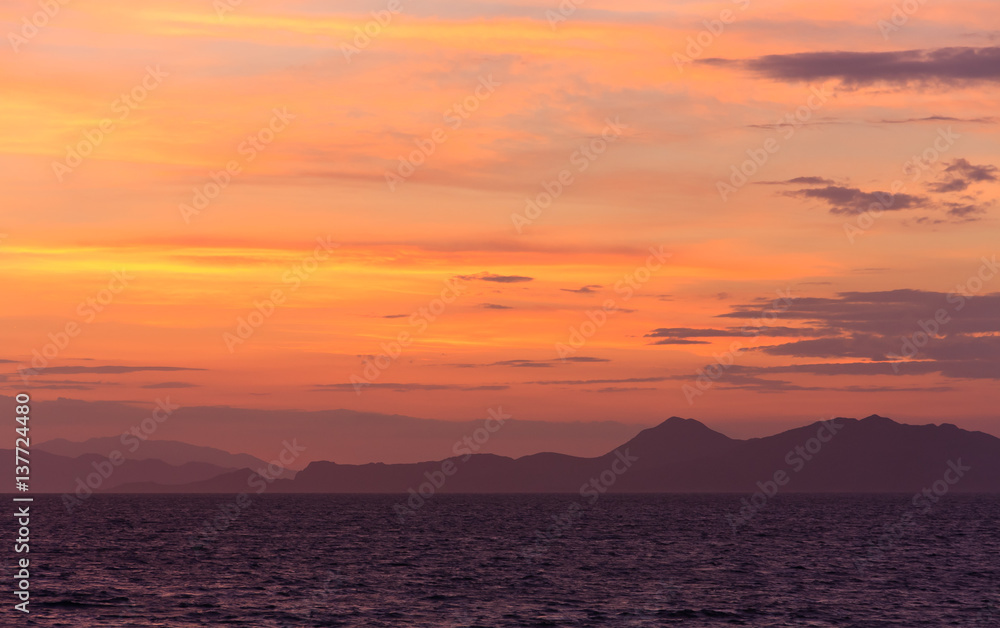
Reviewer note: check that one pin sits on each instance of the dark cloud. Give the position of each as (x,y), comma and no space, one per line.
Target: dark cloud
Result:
(773,126)
(959,174)
(682,333)
(764,385)
(868,346)
(967,210)
(853,201)
(586,382)
(496,278)
(621,389)
(525,363)
(519,363)
(934,66)
(799,181)
(909,332)
(989,120)
(888,312)
(687,332)
(955,177)
(395,315)
(584,290)
(680,341)
(113,370)
(66,384)
(760,384)
(495,306)
(507,278)
(404,387)
(171,385)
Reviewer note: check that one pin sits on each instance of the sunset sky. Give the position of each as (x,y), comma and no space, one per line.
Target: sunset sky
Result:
(493,180)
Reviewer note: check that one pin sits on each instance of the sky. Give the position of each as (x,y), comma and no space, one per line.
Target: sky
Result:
(755,214)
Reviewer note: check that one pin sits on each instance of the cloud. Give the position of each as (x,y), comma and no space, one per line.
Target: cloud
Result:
(525,363)
(519,363)
(870,346)
(584,290)
(496,278)
(113,370)
(951,334)
(680,341)
(586,382)
(799,181)
(171,385)
(678,335)
(967,210)
(406,387)
(960,174)
(852,201)
(959,64)
(988,120)
(495,306)
(67,384)
(686,332)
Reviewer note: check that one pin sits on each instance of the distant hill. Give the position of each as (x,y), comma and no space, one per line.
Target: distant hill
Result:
(871,455)
(51,473)
(169,451)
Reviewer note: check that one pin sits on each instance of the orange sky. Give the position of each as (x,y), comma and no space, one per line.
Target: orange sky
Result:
(164,97)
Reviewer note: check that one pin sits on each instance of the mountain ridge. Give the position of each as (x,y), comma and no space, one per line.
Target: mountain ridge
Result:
(678,455)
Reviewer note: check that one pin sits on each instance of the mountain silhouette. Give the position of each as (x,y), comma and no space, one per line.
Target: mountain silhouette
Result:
(169,451)
(874,454)
(871,455)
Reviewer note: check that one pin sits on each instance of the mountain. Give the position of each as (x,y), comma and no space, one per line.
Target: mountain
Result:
(169,451)
(50,473)
(872,455)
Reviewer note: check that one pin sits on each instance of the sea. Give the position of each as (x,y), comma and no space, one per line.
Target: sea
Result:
(510,560)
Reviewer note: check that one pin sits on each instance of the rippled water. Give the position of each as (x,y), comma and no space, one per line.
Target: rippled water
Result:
(296,560)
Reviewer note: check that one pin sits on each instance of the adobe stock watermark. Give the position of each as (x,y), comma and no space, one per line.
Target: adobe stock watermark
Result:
(626,287)
(922,503)
(697,45)
(32,24)
(590,492)
(262,310)
(566,9)
(796,459)
(93,137)
(453,118)
(580,159)
(708,375)
(251,146)
(932,327)
(741,174)
(87,311)
(915,167)
(224,7)
(901,14)
(419,321)
(435,480)
(365,34)
(261,480)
